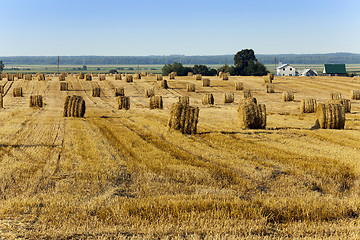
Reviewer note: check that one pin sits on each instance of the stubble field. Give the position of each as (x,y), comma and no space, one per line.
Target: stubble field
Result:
(123,174)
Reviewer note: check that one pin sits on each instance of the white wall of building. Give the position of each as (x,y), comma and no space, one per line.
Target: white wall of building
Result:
(286,70)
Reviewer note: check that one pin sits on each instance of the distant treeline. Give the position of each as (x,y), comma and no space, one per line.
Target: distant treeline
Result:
(347,58)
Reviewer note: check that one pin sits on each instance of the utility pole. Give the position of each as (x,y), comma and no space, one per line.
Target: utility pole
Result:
(58,65)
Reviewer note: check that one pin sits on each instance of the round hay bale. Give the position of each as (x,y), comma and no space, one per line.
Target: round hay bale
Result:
(137,76)
(63,86)
(20,75)
(143,74)
(190,87)
(190,74)
(184,100)
(117,76)
(119,91)
(355,95)
(288,96)
(17,92)
(96,92)
(330,116)
(335,95)
(346,103)
(94,75)
(28,77)
(10,77)
(239,86)
(62,77)
(149,92)
(156,102)
(172,75)
(74,106)
(206,82)
(270,88)
(183,118)
(208,99)
(251,115)
(123,102)
(88,77)
(269,78)
(198,77)
(220,74)
(247,94)
(80,76)
(1,89)
(159,77)
(102,77)
(41,77)
(128,78)
(1,101)
(36,101)
(225,76)
(163,84)
(228,97)
(308,106)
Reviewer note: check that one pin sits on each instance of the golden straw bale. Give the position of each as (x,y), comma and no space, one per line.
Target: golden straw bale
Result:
(270,88)
(102,77)
(184,100)
(225,76)
(208,99)
(156,102)
(80,76)
(269,78)
(10,77)
(36,101)
(119,91)
(183,118)
(128,78)
(228,97)
(61,77)
(17,92)
(190,87)
(220,74)
(95,75)
(1,101)
(96,92)
(149,92)
(74,106)
(122,102)
(190,74)
(1,77)
(63,86)
(143,74)
(88,77)
(335,95)
(163,84)
(1,89)
(137,76)
(172,75)
(239,86)
(198,77)
(308,106)
(20,75)
(117,76)
(159,77)
(330,116)
(288,96)
(28,77)
(41,77)
(206,82)
(355,95)
(247,94)
(251,115)
(346,103)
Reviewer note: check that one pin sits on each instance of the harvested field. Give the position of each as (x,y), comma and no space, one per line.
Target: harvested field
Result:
(123,174)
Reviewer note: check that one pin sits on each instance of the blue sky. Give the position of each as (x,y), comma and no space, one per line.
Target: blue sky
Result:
(159,27)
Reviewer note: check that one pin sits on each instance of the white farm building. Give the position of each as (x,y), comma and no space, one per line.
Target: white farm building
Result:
(286,70)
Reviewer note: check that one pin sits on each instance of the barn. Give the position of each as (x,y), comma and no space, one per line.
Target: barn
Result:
(334,70)
(286,70)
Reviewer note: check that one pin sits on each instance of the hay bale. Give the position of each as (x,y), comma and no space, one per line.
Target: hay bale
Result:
(183,118)
(62,77)
(102,77)
(206,82)
(74,106)
(159,77)
(288,96)
(190,87)
(137,76)
(117,76)
(17,92)
(163,84)
(88,77)
(247,94)
(269,78)
(36,101)
(335,95)
(96,92)
(2,89)
(64,86)
(80,76)
(346,103)
(330,116)
(128,78)
(355,95)
(190,74)
(143,74)
(308,106)
(270,88)
(228,97)
(122,102)
(184,100)
(10,77)
(20,75)
(119,92)
(156,102)
(208,99)
(28,77)
(251,115)
(94,75)
(41,77)
(172,75)
(1,101)
(198,77)
(239,86)
(1,77)
(220,74)
(225,77)
(149,92)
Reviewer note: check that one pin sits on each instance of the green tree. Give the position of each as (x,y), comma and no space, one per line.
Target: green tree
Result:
(1,66)
(246,64)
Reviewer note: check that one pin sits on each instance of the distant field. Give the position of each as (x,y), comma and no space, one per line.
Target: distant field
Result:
(118,174)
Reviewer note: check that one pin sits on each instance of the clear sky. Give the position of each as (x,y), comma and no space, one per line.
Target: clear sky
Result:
(165,27)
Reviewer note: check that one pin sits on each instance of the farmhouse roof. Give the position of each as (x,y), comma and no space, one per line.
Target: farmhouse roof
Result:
(335,69)
(282,66)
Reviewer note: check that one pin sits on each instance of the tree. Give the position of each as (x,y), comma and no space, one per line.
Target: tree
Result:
(113,71)
(84,67)
(1,66)
(246,64)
